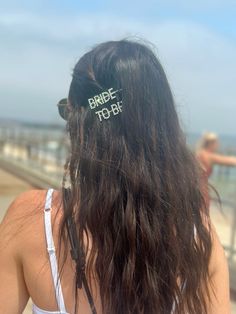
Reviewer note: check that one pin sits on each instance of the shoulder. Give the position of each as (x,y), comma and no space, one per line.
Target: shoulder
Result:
(23,219)
(17,215)
(25,202)
(219,277)
(203,155)
(218,261)
(29,202)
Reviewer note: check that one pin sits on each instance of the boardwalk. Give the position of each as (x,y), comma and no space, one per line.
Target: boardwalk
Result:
(11,186)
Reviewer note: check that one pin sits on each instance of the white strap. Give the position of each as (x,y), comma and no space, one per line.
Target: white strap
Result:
(52,252)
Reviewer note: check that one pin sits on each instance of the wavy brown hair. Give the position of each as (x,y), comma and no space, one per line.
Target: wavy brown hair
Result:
(136,188)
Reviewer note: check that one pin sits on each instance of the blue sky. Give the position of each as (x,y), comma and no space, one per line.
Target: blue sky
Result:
(195,41)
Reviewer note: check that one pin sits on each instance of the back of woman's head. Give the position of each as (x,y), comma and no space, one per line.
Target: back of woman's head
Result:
(207,140)
(135,190)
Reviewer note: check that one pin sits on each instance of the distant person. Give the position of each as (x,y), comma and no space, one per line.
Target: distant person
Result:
(208,156)
(131,233)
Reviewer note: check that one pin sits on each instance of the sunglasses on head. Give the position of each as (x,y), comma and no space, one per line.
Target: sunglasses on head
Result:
(63,108)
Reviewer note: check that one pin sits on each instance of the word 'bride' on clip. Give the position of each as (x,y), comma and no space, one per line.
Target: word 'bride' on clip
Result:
(106,98)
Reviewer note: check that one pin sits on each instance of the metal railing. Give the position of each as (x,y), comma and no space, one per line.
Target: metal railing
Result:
(38,155)
(37,152)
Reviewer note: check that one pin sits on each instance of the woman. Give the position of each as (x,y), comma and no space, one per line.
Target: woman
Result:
(133,218)
(208,156)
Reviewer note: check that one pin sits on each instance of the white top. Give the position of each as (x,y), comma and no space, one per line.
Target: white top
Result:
(53,260)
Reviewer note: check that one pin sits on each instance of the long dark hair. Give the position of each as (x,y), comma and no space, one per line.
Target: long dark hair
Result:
(136,188)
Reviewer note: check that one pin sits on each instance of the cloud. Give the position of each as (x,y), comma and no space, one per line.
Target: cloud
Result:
(39,52)
(200,5)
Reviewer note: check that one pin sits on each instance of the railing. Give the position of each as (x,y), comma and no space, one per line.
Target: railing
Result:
(39,155)
(39,152)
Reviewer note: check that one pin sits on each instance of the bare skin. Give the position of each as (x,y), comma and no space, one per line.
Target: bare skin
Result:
(24,265)
(209,157)
(25,269)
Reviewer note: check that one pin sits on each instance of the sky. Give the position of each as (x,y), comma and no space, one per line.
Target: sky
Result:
(195,41)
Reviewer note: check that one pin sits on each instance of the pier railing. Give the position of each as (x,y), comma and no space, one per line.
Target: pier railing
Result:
(38,156)
(36,153)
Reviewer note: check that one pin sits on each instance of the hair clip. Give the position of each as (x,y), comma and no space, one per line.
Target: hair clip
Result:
(106,104)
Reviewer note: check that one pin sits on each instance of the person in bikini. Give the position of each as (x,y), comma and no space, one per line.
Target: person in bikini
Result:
(208,156)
